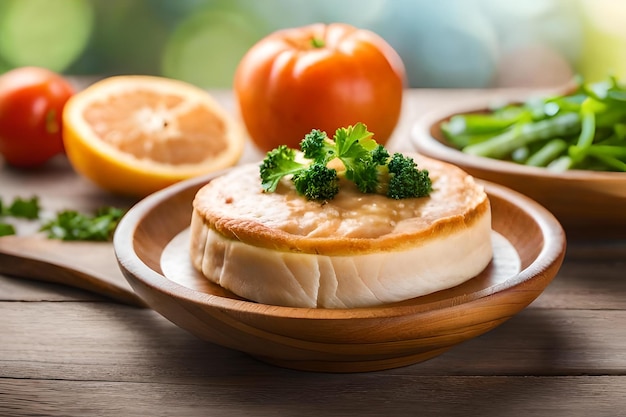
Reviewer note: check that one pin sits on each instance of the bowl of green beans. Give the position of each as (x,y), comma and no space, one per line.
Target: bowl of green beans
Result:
(567,151)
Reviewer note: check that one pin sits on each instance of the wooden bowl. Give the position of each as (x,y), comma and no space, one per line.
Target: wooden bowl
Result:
(151,244)
(589,204)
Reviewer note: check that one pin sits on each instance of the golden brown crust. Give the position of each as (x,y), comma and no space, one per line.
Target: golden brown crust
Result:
(457,198)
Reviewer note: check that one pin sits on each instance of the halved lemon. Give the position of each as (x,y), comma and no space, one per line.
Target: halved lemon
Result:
(136,134)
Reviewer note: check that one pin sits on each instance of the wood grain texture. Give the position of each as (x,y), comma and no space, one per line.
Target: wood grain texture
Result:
(19,289)
(541,361)
(587,283)
(123,343)
(90,266)
(367,395)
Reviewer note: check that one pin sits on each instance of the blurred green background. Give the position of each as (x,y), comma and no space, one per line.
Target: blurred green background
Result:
(444,43)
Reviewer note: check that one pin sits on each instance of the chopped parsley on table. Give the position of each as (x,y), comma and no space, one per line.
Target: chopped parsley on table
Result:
(19,208)
(72,225)
(67,224)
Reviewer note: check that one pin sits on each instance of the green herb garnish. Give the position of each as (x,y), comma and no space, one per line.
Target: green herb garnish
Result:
(67,225)
(363,161)
(23,208)
(6,229)
(19,208)
(72,225)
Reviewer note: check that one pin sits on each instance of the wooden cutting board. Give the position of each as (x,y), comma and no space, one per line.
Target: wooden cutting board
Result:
(91,266)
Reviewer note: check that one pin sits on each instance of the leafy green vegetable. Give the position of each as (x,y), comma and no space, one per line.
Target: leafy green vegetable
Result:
(6,229)
(23,208)
(406,180)
(68,224)
(20,208)
(317,182)
(278,163)
(363,161)
(72,225)
(583,129)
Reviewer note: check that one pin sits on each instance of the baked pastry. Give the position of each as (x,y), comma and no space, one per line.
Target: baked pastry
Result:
(356,250)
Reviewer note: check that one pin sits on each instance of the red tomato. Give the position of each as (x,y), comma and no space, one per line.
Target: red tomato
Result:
(31,106)
(319,77)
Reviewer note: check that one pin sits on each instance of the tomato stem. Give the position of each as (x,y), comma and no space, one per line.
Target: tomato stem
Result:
(317,42)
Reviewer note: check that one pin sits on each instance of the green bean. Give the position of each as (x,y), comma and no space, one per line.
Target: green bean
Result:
(547,153)
(584,129)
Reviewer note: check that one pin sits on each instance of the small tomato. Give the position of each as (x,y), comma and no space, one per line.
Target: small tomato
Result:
(31,107)
(318,77)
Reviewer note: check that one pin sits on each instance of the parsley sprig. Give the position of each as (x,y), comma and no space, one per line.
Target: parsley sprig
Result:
(18,208)
(67,224)
(363,161)
(72,225)
(21,207)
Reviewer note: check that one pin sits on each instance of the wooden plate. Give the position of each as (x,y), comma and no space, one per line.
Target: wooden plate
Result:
(588,204)
(151,248)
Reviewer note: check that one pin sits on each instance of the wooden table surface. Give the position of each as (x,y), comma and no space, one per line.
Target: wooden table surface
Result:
(67,352)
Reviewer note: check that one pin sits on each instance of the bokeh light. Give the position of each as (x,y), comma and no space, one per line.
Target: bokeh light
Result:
(206,47)
(604,40)
(444,43)
(44,33)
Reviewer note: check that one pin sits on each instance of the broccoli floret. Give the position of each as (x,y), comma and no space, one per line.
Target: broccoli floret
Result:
(380,156)
(278,163)
(317,182)
(365,162)
(318,147)
(405,179)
